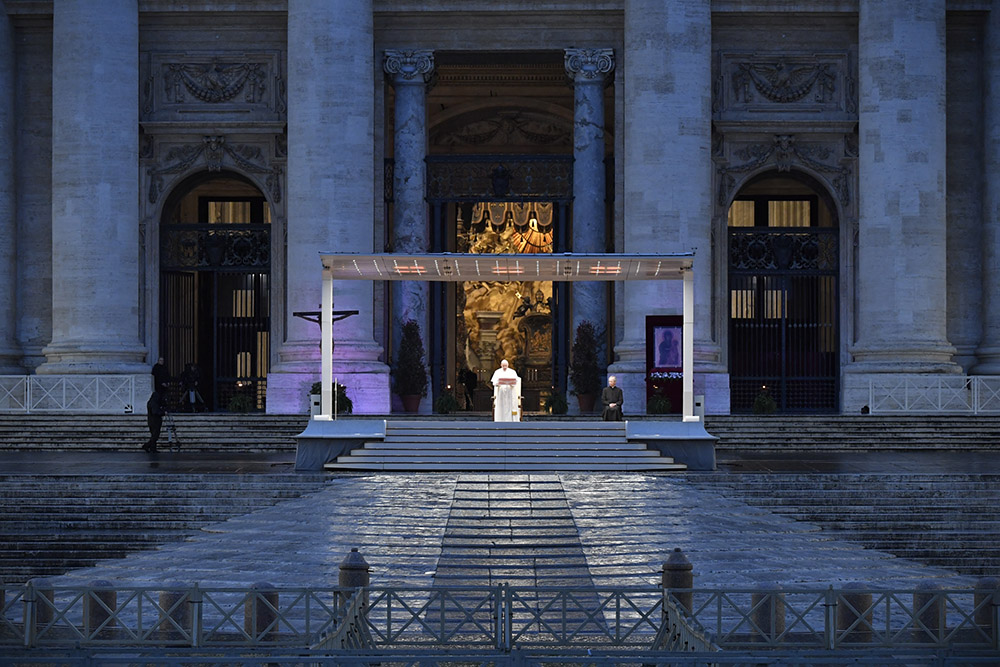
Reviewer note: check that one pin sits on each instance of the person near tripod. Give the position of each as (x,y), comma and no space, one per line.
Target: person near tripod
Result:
(154,419)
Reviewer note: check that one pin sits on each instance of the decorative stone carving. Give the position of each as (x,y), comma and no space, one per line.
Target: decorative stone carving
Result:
(784,152)
(589,64)
(505,129)
(785,82)
(214,152)
(409,66)
(468,178)
(213,83)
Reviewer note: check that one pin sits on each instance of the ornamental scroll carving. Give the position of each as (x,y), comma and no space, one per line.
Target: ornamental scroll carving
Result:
(783,153)
(507,129)
(216,83)
(214,153)
(786,82)
(589,64)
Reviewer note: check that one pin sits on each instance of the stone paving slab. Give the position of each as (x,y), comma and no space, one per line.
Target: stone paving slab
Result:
(624,525)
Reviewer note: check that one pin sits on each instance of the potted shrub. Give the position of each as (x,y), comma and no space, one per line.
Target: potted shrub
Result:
(658,404)
(556,404)
(585,375)
(446,403)
(344,405)
(409,375)
(764,404)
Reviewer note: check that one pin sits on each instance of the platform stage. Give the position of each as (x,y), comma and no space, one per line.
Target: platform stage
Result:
(360,443)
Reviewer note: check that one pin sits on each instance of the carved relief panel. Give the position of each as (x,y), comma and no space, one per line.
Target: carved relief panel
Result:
(231,85)
(762,83)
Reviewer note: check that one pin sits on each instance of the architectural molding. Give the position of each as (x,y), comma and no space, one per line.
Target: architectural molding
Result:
(508,128)
(785,82)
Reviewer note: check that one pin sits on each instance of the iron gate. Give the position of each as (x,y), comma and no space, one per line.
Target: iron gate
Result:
(783,318)
(215,310)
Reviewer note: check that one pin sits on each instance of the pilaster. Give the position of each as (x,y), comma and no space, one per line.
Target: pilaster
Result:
(589,69)
(330,200)
(668,180)
(9,350)
(989,348)
(95,190)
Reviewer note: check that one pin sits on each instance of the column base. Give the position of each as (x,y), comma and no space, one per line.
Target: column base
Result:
(88,357)
(989,361)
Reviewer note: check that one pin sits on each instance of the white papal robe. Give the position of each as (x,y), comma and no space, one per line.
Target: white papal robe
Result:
(506,398)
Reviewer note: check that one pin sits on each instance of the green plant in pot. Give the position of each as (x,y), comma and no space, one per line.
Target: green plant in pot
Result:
(556,404)
(585,374)
(764,404)
(446,403)
(409,374)
(344,404)
(658,404)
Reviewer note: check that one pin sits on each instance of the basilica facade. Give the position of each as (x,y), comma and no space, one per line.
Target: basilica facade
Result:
(171,172)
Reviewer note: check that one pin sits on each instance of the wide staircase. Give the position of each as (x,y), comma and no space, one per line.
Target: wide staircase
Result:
(854,433)
(511,446)
(947,520)
(54,523)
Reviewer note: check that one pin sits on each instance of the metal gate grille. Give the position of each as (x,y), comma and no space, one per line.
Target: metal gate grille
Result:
(783,318)
(215,309)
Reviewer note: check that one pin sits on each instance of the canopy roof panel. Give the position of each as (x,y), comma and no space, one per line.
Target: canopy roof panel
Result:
(459,267)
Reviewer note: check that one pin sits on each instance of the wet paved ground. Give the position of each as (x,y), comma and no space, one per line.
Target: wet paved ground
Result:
(545,529)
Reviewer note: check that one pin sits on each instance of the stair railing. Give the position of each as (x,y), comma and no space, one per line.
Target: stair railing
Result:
(934,394)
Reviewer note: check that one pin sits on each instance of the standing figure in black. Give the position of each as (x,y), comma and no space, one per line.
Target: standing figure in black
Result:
(189,382)
(468,379)
(154,419)
(161,376)
(611,397)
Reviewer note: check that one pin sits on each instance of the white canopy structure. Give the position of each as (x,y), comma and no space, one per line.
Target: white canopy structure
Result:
(456,267)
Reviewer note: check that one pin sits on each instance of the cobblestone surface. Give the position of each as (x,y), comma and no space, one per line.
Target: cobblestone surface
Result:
(533,529)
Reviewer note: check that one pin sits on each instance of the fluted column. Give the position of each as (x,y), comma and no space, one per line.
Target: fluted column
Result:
(331,195)
(989,349)
(95,189)
(9,350)
(588,68)
(409,72)
(901,292)
(667,187)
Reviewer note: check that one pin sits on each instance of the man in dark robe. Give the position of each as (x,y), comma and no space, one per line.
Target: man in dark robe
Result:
(154,419)
(161,376)
(611,397)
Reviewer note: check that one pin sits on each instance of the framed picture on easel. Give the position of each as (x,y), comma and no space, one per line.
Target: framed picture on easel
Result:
(664,358)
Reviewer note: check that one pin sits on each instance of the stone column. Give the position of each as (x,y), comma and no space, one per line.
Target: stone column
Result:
(668,177)
(95,189)
(331,191)
(989,348)
(901,291)
(588,69)
(9,350)
(409,72)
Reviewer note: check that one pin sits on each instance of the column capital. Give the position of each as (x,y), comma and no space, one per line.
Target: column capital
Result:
(589,65)
(409,66)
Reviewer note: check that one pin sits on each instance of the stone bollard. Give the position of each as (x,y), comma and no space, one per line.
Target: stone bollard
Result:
(987,603)
(175,613)
(96,614)
(928,612)
(260,612)
(768,613)
(44,600)
(854,613)
(678,573)
(355,573)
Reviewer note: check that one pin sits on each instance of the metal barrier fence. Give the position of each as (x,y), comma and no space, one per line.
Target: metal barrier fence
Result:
(961,394)
(107,394)
(500,618)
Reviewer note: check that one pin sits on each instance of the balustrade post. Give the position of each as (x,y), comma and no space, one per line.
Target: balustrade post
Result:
(356,573)
(260,612)
(42,606)
(986,601)
(99,610)
(174,613)
(929,611)
(767,613)
(678,574)
(854,613)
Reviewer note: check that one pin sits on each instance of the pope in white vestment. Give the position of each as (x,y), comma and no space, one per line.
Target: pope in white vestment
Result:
(506,394)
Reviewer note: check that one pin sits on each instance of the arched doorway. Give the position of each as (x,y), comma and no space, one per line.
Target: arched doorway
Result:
(215,265)
(783,295)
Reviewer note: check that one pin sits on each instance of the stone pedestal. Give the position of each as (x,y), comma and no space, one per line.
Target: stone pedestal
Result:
(409,72)
(9,350)
(989,348)
(330,201)
(95,190)
(901,290)
(588,69)
(667,129)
